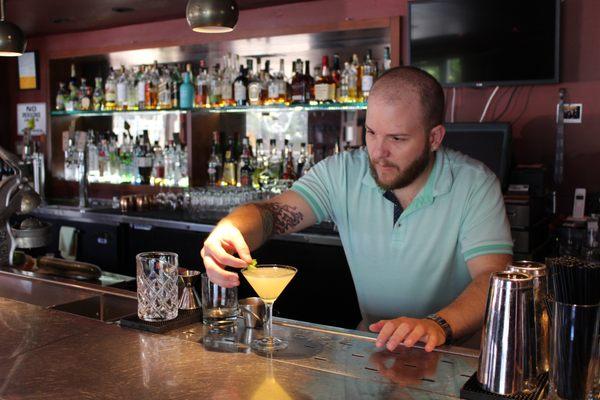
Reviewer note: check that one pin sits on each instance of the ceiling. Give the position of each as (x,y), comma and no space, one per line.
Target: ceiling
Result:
(43,17)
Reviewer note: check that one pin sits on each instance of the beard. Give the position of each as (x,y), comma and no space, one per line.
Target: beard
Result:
(408,176)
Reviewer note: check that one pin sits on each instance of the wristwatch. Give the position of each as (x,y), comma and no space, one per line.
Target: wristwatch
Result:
(444,325)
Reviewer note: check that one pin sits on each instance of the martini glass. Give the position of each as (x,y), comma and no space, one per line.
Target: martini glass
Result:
(268,281)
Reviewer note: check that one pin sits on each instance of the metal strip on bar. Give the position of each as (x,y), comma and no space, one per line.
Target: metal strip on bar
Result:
(560,140)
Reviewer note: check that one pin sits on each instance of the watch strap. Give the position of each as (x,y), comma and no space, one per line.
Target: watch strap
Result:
(444,325)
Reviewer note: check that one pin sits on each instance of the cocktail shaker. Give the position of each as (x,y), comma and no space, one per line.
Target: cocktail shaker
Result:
(506,360)
(541,331)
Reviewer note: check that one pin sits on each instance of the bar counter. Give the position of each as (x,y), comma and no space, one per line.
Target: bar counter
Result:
(47,353)
(179,220)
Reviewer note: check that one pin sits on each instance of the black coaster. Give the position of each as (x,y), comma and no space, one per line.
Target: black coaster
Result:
(472,390)
(184,317)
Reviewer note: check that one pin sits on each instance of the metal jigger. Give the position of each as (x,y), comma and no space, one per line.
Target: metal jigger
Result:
(189,299)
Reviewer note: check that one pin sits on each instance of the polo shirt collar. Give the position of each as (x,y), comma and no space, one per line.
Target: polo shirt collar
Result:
(439,182)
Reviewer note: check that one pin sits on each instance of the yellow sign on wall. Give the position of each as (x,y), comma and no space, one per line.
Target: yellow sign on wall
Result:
(27,71)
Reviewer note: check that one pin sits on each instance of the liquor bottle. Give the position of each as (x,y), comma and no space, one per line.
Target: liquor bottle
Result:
(126,158)
(102,159)
(387,59)
(145,159)
(289,171)
(176,81)
(300,91)
(132,95)
(368,75)
(336,74)
(164,90)
(259,164)
(114,161)
(214,87)
(136,154)
(282,81)
(158,165)
(61,96)
(202,86)
(245,165)
(98,95)
(151,89)
(188,69)
(141,88)
(301,159)
(184,180)
(215,165)
(229,166)
(85,96)
(227,83)
(348,90)
(357,70)
(310,160)
(275,161)
(93,160)
(72,100)
(255,86)
(122,90)
(240,92)
(169,158)
(70,161)
(325,85)
(186,92)
(73,78)
(310,81)
(265,77)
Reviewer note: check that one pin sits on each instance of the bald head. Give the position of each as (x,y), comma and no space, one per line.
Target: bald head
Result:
(409,83)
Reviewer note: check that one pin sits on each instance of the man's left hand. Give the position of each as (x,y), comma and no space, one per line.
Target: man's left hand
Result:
(408,331)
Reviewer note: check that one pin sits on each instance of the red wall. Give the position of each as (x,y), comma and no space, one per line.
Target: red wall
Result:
(531,110)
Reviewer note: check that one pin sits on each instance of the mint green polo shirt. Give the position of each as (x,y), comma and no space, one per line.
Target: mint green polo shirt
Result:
(416,266)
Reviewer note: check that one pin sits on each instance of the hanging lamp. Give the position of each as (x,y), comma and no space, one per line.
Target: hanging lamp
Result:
(12,39)
(212,16)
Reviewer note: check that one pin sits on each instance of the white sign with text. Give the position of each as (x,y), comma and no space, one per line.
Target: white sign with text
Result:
(32,116)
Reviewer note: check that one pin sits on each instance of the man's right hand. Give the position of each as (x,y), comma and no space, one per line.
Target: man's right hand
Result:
(217,253)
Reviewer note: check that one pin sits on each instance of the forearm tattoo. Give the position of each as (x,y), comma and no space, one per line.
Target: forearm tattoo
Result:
(278,218)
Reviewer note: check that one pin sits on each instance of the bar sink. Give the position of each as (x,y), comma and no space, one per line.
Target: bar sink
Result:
(105,307)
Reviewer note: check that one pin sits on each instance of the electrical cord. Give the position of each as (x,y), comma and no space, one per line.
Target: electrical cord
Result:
(506,107)
(487,105)
(453,106)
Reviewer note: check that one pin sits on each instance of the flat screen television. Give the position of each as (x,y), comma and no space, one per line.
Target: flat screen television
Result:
(485,42)
(486,142)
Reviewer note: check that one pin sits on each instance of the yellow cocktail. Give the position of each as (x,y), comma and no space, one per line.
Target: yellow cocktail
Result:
(269,280)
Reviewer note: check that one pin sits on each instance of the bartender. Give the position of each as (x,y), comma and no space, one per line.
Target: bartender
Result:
(422,226)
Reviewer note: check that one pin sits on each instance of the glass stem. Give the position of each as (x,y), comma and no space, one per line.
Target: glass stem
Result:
(269,321)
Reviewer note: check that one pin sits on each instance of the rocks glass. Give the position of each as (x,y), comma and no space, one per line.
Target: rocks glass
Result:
(219,304)
(157,285)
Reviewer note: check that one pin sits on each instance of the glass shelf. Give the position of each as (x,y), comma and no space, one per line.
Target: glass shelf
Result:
(92,113)
(229,109)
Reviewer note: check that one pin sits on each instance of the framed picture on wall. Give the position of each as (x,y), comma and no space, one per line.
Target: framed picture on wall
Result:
(28,71)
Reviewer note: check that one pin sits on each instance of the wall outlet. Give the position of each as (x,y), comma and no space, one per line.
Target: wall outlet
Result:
(572,113)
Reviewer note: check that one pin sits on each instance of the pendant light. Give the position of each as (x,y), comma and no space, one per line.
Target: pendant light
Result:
(212,16)
(12,40)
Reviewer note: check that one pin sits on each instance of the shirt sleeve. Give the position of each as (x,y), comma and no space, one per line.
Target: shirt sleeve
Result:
(316,187)
(485,228)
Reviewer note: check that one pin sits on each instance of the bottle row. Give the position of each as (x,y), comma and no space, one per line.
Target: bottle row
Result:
(111,159)
(164,87)
(262,168)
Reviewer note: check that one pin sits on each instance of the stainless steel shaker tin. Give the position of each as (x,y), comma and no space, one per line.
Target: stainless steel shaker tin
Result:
(505,363)
(542,322)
